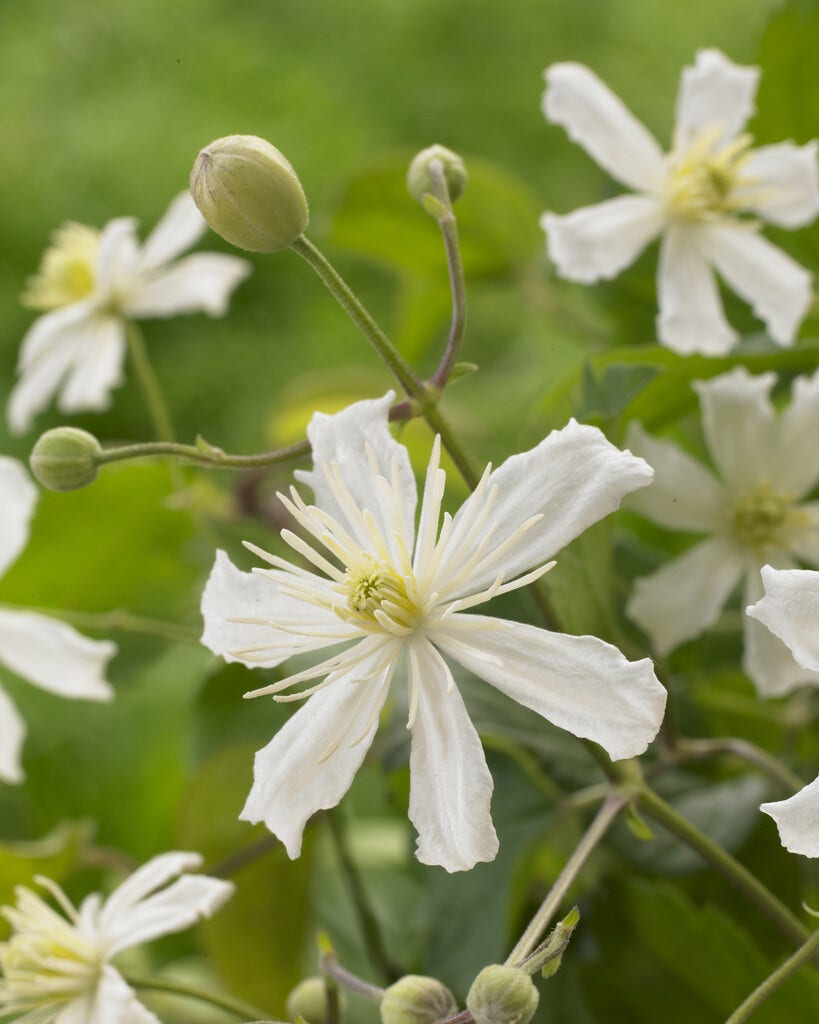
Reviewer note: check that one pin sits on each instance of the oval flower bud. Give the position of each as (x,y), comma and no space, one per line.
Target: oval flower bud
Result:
(249,194)
(502,995)
(308,1000)
(64,459)
(419,180)
(416,999)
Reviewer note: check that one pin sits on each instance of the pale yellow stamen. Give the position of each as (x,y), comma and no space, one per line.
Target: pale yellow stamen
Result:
(67,270)
(376,592)
(704,181)
(764,518)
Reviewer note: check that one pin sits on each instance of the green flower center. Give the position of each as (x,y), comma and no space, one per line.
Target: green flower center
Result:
(703,182)
(67,272)
(372,588)
(762,516)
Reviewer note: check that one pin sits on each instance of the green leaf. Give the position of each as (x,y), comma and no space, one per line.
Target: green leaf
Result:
(54,856)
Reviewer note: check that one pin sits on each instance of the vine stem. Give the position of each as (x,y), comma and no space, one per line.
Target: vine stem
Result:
(149,384)
(699,749)
(724,864)
(773,981)
(116,620)
(614,803)
(346,979)
(203,453)
(240,1009)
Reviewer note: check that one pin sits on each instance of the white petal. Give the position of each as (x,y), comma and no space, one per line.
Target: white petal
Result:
(54,656)
(684,495)
(344,439)
(715,95)
(779,290)
(685,596)
(141,910)
(48,351)
(202,283)
(118,254)
(450,784)
(740,428)
(767,661)
(597,242)
(783,184)
(231,594)
(18,496)
(574,477)
(181,227)
(97,366)
(691,317)
(790,610)
(598,120)
(797,470)
(115,1002)
(797,820)
(310,763)
(12,733)
(578,683)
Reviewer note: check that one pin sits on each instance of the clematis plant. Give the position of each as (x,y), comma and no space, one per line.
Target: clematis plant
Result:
(385,591)
(91,284)
(695,197)
(57,965)
(751,514)
(48,653)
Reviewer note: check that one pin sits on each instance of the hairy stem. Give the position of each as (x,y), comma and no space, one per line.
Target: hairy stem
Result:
(117,620)
(773,981)
(203,454)
(244,1011)
(701,749)
(149,384)
(349,981)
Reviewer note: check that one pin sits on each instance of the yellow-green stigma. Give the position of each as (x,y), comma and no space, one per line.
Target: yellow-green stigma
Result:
(67,271)
(374,590)
(762,516)
(703,181)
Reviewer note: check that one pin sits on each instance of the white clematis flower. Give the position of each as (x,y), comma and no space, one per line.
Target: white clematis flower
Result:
(752,514)
(57,966)
(384,590)
(691,196)
(797,820)
(91,283)
(42,650)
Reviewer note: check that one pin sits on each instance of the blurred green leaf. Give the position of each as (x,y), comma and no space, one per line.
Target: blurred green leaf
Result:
(54,856)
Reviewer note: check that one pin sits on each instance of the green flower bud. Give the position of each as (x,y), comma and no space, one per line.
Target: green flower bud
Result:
(65,458)
(309,1001)
(419,180)
(249,194)
(502,995)
(416,999)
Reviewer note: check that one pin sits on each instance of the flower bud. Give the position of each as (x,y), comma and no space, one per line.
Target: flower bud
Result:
(416,999)
(308,1000)
(249,194)
(419,180)
(64,459)
(502,995)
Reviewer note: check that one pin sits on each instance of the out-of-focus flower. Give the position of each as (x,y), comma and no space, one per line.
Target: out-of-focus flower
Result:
(691,196)
(57,966)
(387,591)
(752,513)
(48,653)
(90,284)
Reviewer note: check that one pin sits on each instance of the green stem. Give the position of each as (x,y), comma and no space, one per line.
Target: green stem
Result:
(613,805)
(176,988)
(346,979)
(116,620)
(366,918)
(773,981)
(351,304)
(149,384)
(699,749)
(449,229)
(204,454)
(724,864)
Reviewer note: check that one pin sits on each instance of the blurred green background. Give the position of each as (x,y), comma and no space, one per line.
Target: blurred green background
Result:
(103,107)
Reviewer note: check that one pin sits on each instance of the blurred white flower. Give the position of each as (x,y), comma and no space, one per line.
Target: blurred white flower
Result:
(388,591)
(797,820)
(752,513)
(42,650)
(691,196)
(91,283)
(57,966)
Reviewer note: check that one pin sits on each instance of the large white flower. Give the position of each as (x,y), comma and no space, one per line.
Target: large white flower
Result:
(57,966)
(384,589)
(91,283)
(42,650)
(752,514)
(691,196)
